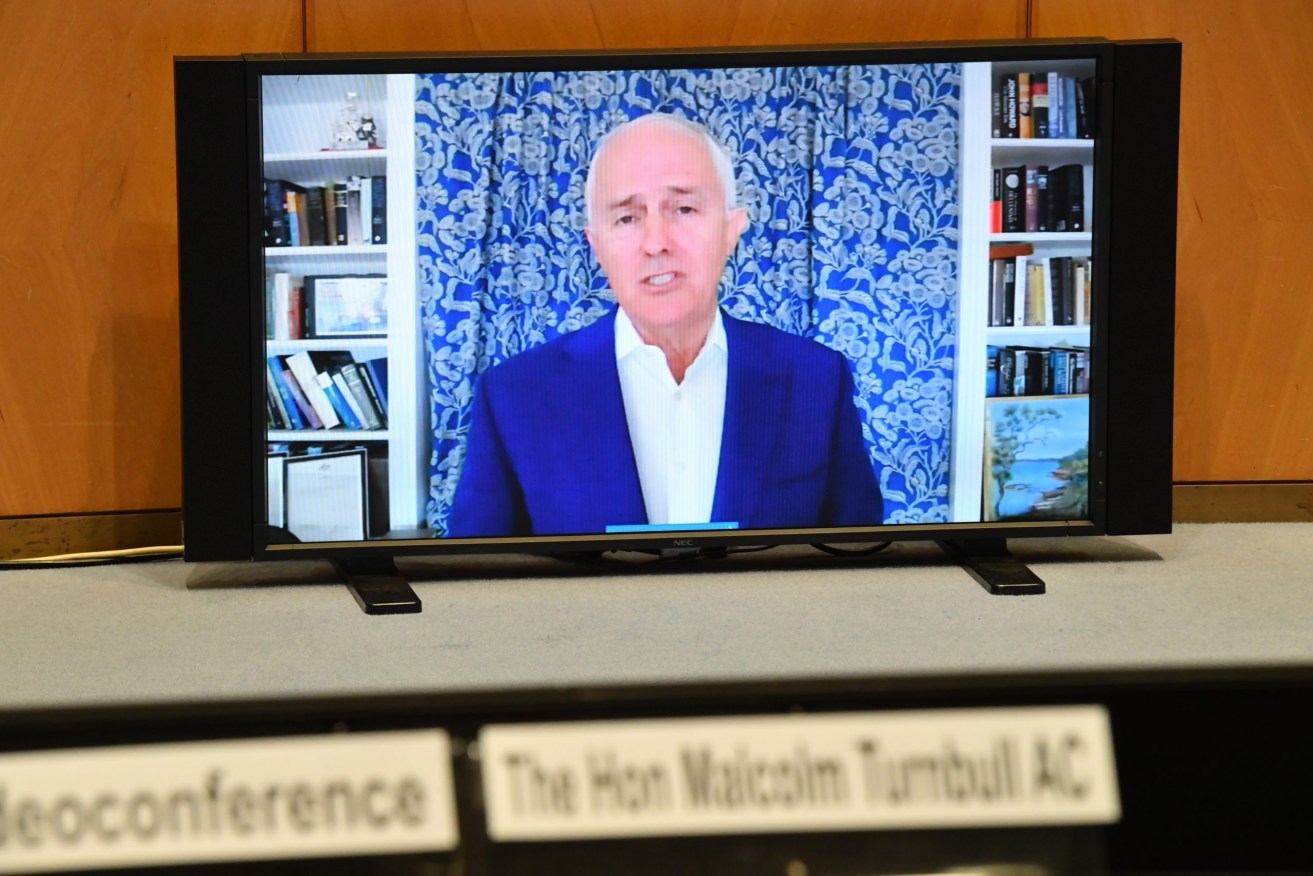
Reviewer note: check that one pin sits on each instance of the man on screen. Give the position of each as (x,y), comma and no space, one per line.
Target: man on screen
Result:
(666,412)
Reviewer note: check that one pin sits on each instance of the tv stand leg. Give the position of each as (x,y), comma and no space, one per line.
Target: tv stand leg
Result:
(988,561)
(378,587)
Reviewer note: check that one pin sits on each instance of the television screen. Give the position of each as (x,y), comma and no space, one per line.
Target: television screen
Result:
(807,295)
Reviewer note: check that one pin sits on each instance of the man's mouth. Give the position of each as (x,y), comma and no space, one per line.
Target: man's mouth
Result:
(660,279)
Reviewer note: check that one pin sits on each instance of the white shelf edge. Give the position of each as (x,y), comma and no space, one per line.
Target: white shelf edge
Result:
(1006,143)
(325,155)
(1041,237)
(322,436)
(357,249)
(278,346)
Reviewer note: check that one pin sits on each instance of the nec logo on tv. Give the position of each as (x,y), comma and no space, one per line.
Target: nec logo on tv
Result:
(683,542)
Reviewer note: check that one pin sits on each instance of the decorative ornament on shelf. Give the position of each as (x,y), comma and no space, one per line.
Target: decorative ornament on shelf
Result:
(367,132)
(346,128)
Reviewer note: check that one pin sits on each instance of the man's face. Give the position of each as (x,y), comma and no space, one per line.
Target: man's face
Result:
(660,229)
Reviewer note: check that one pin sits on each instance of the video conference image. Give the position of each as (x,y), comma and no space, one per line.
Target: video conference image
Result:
(522,304)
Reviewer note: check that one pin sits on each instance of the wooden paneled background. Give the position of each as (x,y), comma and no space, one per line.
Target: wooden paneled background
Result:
(88,280)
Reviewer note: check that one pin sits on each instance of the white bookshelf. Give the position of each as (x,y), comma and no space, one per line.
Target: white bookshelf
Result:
(299,113)
(980,153)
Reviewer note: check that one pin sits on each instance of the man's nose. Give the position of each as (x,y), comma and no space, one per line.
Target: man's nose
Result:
(656,238)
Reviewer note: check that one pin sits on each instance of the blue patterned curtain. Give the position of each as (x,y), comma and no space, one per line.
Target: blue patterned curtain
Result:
(849,176)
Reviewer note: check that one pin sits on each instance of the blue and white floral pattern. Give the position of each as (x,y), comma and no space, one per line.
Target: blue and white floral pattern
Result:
(850,179)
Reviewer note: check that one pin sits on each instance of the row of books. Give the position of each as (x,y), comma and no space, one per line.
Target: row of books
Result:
(335,214)
(1040,291)
(325,390)
(1036,198)
(325,306)
(1031,371)
(1048,106)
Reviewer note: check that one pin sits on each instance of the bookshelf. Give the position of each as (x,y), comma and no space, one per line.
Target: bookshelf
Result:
(298,125)
(983,326)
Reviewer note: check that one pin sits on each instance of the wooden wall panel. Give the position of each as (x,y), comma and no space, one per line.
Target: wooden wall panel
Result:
(463,25)
(1244,354)
(88,242)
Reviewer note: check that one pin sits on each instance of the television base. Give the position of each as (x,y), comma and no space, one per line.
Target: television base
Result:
(378,587)
(994,568)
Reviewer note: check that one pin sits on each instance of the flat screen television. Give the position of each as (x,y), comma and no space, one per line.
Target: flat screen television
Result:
(675,300)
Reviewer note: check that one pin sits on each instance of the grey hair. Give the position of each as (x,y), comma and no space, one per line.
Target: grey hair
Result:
(720,157)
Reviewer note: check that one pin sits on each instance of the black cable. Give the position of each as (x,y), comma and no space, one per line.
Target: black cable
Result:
(854,552)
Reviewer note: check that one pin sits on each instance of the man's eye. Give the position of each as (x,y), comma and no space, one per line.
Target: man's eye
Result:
(686,209)
(624,220)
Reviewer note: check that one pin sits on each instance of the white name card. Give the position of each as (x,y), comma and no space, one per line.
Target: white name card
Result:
(887,770)
(199,802)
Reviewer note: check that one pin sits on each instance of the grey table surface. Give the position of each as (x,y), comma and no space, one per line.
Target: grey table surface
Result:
(1206,596)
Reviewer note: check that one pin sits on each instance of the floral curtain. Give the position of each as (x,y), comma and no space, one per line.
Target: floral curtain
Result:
(850,179)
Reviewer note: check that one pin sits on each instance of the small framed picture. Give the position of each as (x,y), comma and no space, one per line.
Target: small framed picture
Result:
(325,496)
(338,307)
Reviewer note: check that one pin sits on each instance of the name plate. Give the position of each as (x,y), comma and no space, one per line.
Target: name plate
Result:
(200,802)
(796,773)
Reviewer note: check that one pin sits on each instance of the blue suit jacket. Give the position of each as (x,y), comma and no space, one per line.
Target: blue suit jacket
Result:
(549,449)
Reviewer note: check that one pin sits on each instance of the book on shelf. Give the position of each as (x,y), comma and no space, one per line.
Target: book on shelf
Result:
(1066,193)
(1014,199)
(378,220)
(336,213)
(1039,104)
(1011,128)
(1019,370)
(1025,124)
(324,390)
(996,202)
(1036,198)
(284,307)
(1043,105)
(1032,196)
(1039,291)
(306,374)
(317,215)
(340,206)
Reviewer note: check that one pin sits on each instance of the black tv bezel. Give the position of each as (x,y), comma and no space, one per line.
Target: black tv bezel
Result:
(219,205)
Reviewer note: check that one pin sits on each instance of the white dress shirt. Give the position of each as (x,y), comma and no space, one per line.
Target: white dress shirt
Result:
(675,428)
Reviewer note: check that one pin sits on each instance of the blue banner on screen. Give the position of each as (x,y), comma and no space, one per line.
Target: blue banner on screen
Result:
(671,527)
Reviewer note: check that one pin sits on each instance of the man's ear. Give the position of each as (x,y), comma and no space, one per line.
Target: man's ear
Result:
(736,222)
(588,235)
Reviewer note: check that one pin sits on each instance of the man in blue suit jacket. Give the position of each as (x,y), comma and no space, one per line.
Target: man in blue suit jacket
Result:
(551,448)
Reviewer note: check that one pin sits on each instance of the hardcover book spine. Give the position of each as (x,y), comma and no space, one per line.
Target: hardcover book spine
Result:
(1069,105)
(275,212)
(1056,128)
(351,374)
(379,219)
(317,212)
(1039,104)
(1011,125)
(1085,108)
(324,380)
(304,370)
(1006,371)
(996,203)
(1043,206)
(286,404)
(1025,125)
(1014,217)
(1075,196)
(339,214)
(303,404)
(1032,198)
